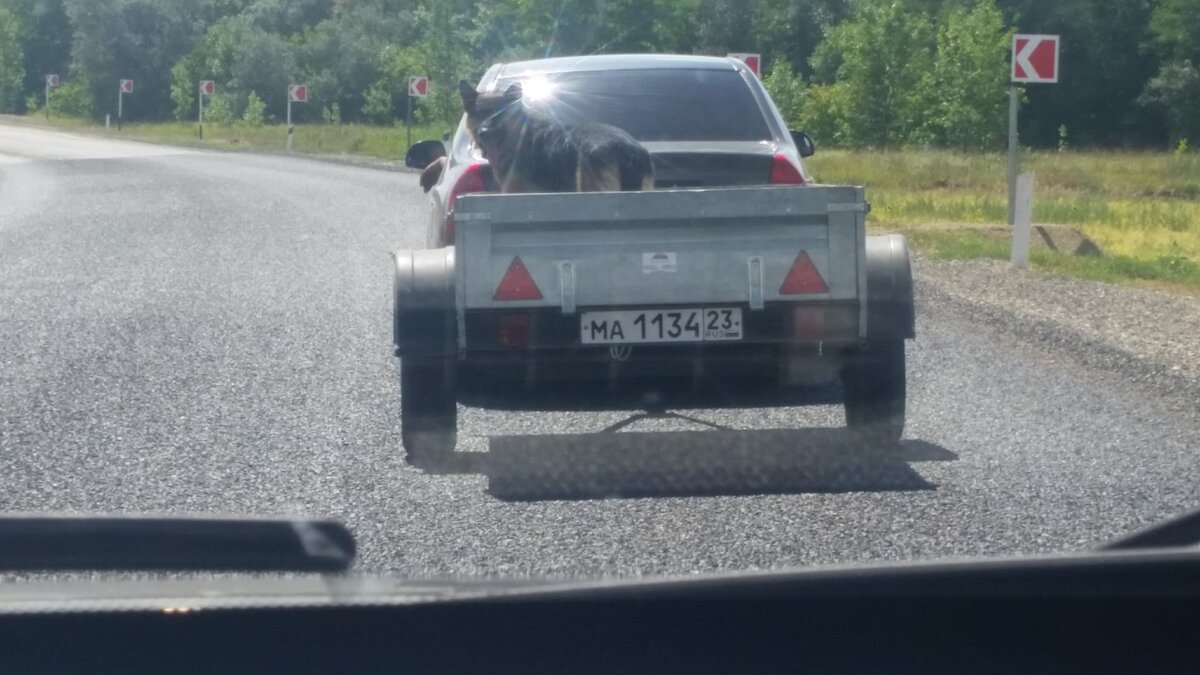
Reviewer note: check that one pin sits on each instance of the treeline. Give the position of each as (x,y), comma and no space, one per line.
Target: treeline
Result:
(861,73)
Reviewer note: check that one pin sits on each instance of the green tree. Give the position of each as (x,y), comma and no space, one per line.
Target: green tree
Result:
(1175,90)
(72,99)
(792,29)
(218,110)
(45,41)
(12,63)
(138,39)
(184,89)
(446,47)
(342,57)
(883,54)
(377,104)
(724,26)
(787,90)
(242,58)
(823,114)
(255,114)
(965,92)
(332,114)
(1175,29)
(287,17)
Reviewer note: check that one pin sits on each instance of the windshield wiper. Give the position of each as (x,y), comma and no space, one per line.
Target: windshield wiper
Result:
(1177,532)
(79,543)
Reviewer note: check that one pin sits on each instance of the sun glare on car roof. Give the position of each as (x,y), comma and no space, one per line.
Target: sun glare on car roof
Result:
(537,88)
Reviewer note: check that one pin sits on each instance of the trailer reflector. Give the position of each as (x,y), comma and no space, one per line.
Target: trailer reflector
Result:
(803,278)
(517,284)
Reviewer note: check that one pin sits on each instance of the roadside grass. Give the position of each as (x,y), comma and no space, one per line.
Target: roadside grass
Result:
(337,139)
(1143,209)
(323,139)
(1168,271)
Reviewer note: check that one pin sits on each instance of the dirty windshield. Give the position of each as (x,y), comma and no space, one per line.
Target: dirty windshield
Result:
(821,282)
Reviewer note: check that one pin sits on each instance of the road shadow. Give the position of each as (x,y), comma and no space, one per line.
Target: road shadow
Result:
(720,462)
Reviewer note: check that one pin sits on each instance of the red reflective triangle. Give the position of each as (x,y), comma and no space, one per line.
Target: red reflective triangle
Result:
(803,278)
(517,284)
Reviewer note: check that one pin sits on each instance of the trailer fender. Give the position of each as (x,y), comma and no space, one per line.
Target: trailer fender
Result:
(890,306)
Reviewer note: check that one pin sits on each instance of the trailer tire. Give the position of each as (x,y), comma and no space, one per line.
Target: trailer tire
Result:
(874,387)
(428,411)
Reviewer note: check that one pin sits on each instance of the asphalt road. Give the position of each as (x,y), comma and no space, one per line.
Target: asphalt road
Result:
(204,332)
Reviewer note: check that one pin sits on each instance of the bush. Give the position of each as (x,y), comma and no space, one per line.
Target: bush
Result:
(332,114)
(72,99)
(787,90)
(823,114)
(377,104)
(218,110)
(255,114)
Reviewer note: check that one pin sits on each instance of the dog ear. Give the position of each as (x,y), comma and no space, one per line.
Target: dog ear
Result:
(513,92)
(469,96)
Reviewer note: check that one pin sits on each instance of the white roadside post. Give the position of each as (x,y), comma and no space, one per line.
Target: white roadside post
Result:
(51,82)
(1022,221)
(299,94)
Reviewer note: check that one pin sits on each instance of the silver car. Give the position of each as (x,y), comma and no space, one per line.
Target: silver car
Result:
(707,121)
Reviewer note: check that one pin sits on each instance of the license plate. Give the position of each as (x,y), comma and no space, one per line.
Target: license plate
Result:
(661,325)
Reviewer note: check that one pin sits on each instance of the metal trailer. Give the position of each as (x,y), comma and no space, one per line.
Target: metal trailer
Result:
(737,297)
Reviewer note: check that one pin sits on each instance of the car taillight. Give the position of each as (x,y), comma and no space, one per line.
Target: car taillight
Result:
(473,179)
(783,172)
(517,284)
(803,278)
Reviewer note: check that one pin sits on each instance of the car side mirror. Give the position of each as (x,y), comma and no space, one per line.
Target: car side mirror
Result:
(422,154)
(804,143)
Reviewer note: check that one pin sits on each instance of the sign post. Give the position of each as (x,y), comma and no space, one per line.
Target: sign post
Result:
(125,88)
(754,61)
(207,88)
(418,87)
(51,82)
(299,94)
(1034,60)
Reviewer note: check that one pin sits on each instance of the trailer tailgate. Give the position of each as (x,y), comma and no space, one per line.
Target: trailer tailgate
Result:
(660,248)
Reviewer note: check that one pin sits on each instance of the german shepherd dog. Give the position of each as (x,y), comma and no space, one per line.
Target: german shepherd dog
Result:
(529,151)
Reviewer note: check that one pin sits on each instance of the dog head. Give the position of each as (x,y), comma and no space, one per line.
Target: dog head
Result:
(493,119)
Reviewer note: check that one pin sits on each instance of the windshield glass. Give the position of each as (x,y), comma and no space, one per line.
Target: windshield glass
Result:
(821,282)
(622,98)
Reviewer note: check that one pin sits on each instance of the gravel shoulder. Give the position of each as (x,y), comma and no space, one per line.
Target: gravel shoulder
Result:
(1151,336)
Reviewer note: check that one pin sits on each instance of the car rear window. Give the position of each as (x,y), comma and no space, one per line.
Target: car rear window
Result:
(654,105)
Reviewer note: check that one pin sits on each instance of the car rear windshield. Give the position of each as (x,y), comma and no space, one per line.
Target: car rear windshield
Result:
(653,105)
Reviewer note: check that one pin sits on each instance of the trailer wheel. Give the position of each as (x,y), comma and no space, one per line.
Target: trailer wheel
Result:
(428,411)
(874,386)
